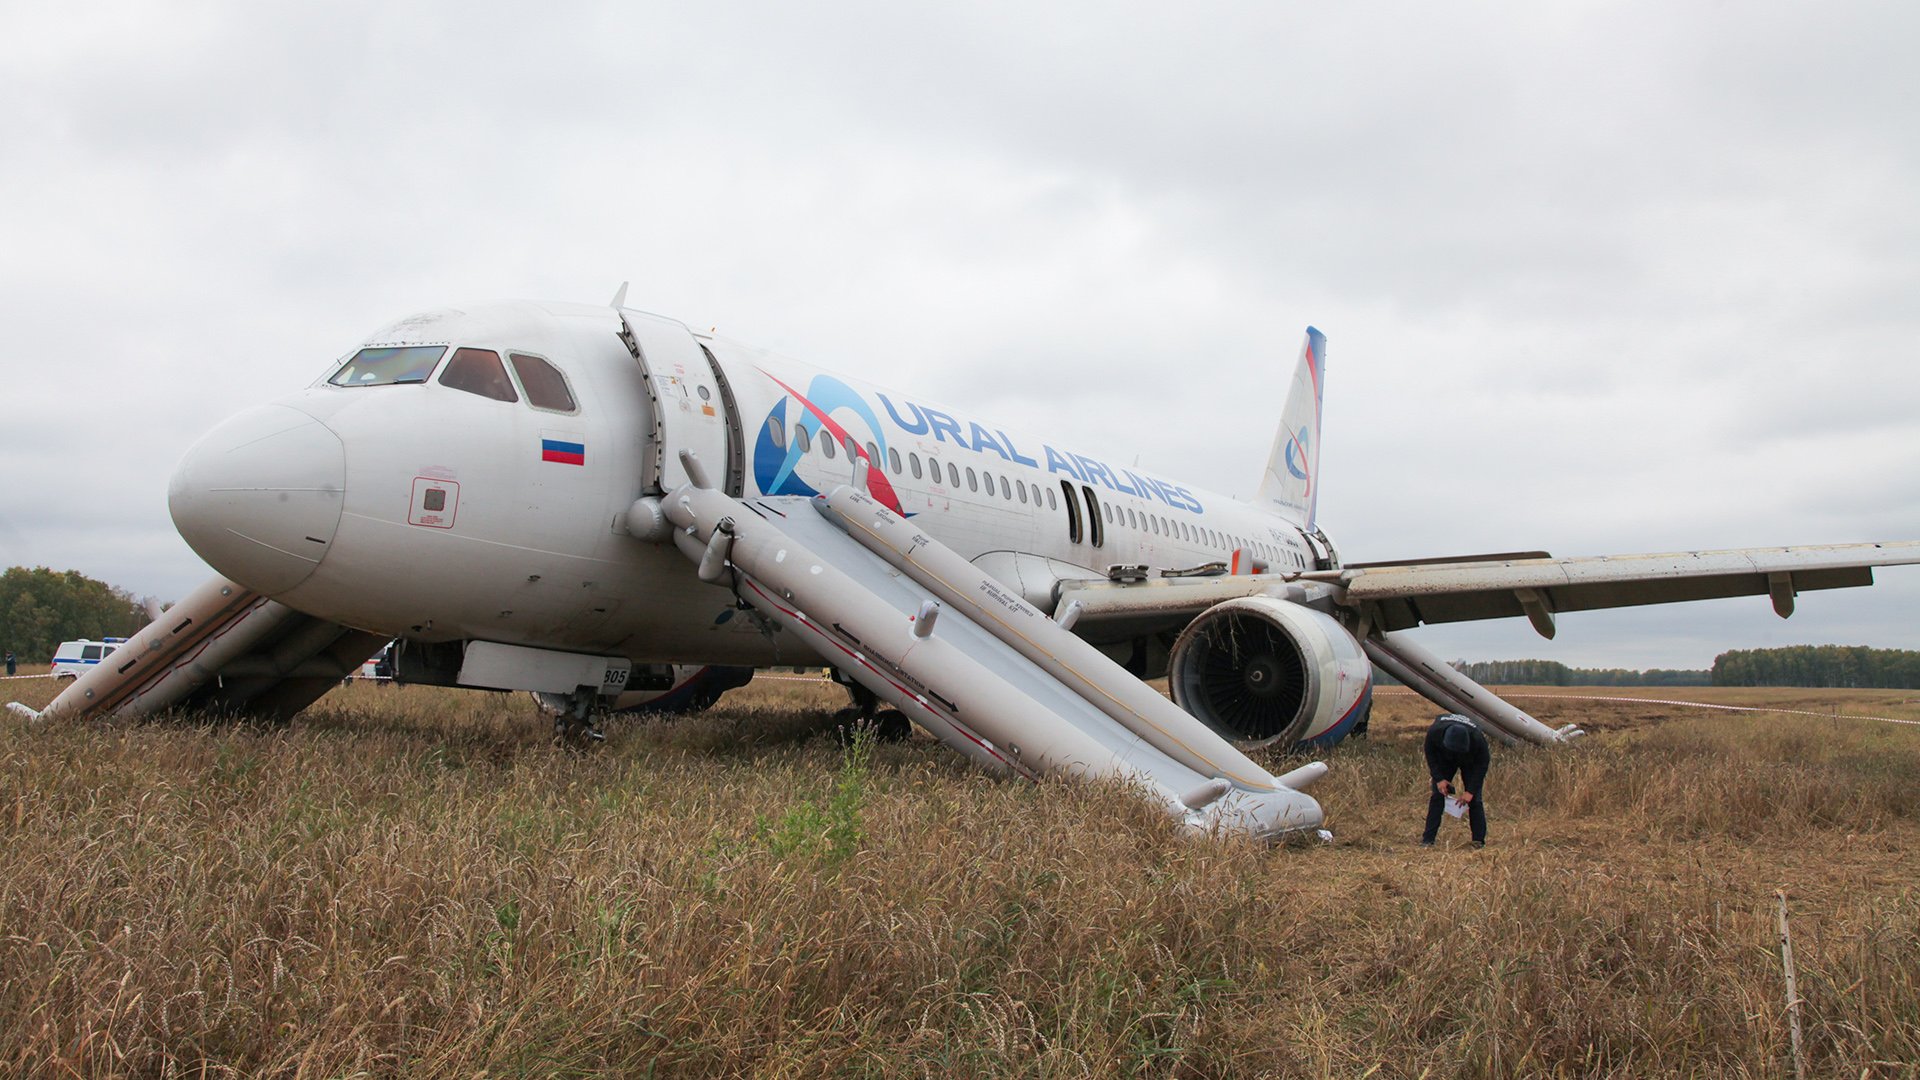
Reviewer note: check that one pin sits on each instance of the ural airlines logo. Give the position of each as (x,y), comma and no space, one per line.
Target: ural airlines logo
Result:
(1297,457)
(776,454)
(773,463)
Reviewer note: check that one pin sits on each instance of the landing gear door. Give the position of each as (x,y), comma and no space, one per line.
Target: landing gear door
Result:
(686,396)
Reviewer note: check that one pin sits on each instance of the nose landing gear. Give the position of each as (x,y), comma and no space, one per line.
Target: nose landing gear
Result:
(579,723)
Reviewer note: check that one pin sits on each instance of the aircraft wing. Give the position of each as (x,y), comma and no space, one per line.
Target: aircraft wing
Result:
(1401,595)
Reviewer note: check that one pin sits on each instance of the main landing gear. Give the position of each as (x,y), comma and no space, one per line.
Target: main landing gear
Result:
(865,714)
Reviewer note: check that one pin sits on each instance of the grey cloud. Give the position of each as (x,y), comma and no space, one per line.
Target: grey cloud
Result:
(1618,277)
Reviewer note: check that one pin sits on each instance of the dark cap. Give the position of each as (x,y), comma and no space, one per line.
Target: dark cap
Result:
(1456,739)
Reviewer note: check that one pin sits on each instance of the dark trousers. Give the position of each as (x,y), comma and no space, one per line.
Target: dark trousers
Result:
(1436,805)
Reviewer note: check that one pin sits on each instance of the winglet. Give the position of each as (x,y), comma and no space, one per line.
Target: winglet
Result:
(620,298)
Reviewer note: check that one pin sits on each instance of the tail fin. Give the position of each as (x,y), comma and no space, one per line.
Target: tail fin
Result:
(1291,484)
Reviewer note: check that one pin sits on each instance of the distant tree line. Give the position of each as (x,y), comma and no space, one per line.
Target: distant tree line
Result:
(1555,673)
(40,608)
(1851,666)
(1820,666)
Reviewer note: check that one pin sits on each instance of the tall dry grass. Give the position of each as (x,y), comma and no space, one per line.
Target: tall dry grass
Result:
(415,882)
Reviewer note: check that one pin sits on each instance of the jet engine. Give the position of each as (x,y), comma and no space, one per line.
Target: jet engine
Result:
(1261,671)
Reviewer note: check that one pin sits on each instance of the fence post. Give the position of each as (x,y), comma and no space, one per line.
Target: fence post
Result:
(1793,991)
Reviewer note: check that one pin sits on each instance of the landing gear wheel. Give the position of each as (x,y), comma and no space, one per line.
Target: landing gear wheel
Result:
(892,725)
(887,725)
(577,733)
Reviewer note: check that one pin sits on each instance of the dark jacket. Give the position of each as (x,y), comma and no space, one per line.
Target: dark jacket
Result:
(1472,765)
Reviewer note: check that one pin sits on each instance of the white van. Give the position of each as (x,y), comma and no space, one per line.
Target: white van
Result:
(74,657)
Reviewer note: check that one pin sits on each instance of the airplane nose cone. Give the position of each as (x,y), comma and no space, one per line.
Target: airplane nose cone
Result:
(259,496)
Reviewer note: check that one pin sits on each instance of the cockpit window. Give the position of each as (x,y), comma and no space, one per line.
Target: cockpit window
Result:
(388,365)
(479,371)
(546,388)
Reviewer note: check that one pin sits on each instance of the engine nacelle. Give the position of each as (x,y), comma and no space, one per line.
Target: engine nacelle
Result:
(1261,671)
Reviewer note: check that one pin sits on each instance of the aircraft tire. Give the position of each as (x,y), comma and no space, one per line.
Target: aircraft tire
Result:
(892,725)
(887,725)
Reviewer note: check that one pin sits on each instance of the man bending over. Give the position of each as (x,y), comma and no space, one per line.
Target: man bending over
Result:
(1455,745)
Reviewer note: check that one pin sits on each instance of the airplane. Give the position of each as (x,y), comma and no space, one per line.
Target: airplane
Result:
(585,502)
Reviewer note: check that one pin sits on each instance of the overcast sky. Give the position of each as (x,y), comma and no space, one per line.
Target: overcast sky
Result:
(1595,278)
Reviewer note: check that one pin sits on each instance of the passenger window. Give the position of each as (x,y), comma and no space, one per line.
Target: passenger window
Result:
(914,460)
(873,455)
(90,652)
(1052,503)
(1006,492)
(953,476)
(1022,489)
(1133,519)
(973,481)
(478,371)
(893,459)
(546,388)
(826,444)
(777,432)
(386,367)
(986,481)
(1156,524)
(801,439)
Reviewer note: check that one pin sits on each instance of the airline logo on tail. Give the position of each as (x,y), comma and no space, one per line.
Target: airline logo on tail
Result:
(1297,457)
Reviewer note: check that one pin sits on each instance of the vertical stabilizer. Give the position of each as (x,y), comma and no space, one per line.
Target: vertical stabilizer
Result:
(1292,481)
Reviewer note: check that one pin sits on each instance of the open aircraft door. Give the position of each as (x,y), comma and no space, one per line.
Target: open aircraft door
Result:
(691,402)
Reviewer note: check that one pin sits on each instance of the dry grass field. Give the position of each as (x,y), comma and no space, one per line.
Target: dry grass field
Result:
(416,882)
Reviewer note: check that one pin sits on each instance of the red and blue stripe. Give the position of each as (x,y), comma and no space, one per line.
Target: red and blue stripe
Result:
(566,453)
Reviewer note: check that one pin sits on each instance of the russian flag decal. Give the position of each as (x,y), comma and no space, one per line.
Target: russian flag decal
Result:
(564,451)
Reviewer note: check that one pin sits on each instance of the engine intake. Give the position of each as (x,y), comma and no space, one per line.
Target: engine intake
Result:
(1261,671)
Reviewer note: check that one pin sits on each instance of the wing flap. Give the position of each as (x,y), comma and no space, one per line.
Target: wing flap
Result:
(1402,595)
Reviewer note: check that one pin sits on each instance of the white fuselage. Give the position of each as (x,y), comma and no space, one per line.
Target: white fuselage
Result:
(526,542)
